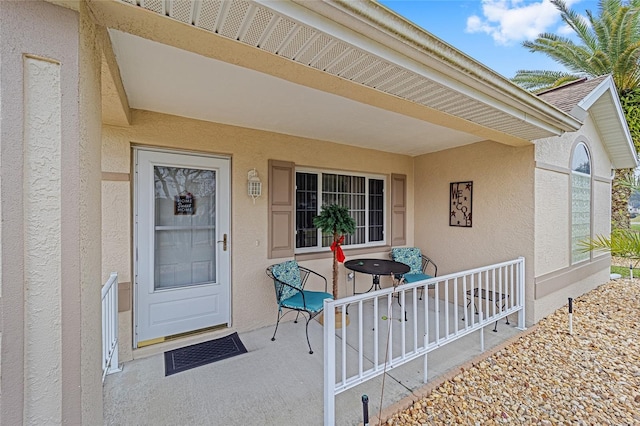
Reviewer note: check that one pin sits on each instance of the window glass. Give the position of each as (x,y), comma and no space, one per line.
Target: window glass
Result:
(580,201)
(346,191)
(376,210)
(363,195)
(580,162)
(306,209)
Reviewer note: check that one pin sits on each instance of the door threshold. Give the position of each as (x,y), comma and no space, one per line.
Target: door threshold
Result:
(162,344)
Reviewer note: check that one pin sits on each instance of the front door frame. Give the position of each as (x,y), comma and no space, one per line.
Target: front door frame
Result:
(136,200)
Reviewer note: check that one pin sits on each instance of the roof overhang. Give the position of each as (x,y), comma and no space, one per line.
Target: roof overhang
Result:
(603,104)
(440,61)
(348,72)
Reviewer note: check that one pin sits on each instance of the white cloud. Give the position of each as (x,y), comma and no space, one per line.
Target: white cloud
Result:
(564,30)
(509,21)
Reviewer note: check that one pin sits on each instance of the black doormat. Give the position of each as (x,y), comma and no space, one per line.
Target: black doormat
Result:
(204,353)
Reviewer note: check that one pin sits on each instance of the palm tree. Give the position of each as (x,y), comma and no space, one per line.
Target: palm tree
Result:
(609,43)
(336,221)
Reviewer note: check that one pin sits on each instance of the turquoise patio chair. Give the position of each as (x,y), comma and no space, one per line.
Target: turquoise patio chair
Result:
(289,280)
(422,267)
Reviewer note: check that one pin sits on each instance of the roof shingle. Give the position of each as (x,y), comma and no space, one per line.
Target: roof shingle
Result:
(567,96)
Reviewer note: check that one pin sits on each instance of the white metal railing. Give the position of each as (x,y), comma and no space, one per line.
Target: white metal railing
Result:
(392,326)
(110,326)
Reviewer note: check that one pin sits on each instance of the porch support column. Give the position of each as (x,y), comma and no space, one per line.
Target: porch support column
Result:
(50,278)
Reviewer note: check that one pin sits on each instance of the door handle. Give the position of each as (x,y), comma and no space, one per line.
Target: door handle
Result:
(224,242)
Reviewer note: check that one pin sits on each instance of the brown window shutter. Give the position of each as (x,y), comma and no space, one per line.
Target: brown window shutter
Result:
(398,210)
(281,209)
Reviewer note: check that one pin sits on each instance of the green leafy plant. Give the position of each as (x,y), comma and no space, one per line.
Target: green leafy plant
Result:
(604,42)
(622,243)
(335,220)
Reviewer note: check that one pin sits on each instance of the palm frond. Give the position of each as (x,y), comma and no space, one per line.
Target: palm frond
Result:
(622,243)
(632,182)
(539,80)
(608,43)
(574,20)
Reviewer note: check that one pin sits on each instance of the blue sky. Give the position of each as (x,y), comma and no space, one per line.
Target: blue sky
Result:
(492,31)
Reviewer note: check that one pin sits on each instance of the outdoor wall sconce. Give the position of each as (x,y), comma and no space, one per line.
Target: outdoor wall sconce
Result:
(254,186)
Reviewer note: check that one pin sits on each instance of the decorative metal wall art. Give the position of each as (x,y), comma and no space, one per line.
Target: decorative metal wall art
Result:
(460,206)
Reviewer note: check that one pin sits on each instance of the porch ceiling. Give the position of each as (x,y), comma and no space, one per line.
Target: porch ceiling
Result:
(165,79)
(281,67)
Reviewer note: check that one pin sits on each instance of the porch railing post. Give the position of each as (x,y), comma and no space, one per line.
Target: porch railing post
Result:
(425,379)
(481,329)
(521,290)
(329,363)
(115,362)
(110,361)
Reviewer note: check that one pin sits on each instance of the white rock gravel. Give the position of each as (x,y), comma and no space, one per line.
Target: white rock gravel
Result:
(549,377)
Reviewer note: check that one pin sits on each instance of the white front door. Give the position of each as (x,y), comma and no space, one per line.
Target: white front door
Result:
(182,243)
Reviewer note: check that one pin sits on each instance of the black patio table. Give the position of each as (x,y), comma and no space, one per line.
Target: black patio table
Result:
(375,267)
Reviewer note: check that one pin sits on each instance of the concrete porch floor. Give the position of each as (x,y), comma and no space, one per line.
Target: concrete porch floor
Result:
(275,383)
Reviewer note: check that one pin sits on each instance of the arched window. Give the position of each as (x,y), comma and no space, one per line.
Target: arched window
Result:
(580,201)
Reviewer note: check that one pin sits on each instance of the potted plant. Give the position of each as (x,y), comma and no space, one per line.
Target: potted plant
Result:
(336,221)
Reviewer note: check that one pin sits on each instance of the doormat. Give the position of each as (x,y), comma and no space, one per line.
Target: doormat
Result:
(193,356)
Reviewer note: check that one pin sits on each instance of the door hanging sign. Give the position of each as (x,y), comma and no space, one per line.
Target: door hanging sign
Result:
(185,203)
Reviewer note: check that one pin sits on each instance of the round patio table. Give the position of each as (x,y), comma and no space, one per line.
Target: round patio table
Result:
(376,267)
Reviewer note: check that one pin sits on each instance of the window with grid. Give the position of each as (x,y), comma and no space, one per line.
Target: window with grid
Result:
(362,194)
(580,201)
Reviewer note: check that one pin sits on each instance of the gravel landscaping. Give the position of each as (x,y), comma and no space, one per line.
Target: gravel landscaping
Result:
(551,377)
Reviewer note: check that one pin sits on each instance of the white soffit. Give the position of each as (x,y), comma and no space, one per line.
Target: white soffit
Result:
(297,34)
(604,106)
(165,79)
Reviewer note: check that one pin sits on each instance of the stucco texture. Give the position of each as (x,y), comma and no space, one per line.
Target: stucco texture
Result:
(553,249)
(502,210)
(556,278)
(42,240)
(116,230)
(50,198)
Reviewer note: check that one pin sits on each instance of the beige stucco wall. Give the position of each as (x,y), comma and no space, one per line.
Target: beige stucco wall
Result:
(518,210)
(86,151)
(42,157)
(502,208)
(556,278)
(552,221)
(253,301)
(553,206)
(49,203)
